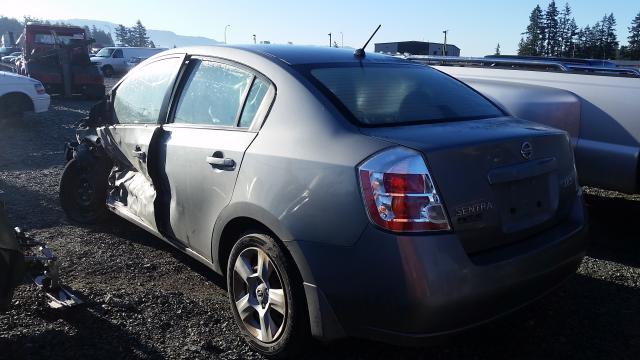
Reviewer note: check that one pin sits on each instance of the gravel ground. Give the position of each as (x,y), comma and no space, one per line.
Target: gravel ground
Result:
(145,300)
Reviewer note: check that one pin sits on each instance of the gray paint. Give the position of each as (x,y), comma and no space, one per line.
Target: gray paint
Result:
(296,174)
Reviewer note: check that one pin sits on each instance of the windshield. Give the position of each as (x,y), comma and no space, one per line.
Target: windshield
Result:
(389,94)
(105,53)
(49,39)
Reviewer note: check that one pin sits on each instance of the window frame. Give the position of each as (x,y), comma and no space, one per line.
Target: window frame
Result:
(261,114)
(165,101)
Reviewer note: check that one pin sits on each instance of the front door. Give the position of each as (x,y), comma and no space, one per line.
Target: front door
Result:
(204,144)
(139,103)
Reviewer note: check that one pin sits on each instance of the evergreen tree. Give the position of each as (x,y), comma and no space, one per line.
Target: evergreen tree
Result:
(533,43)
(497,53)
(122,35)
(88,32)
(569,40)
(523,47)
(633,50)
(564,32)
(152,44)
(551,26)
(139,35)
(610,38)
(10,25)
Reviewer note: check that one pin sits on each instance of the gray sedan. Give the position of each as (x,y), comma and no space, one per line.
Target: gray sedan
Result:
(340,194)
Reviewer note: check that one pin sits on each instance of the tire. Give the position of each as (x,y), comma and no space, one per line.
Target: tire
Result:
(289,326)
(12,109)
(83,192)
(94,92)
(107,71)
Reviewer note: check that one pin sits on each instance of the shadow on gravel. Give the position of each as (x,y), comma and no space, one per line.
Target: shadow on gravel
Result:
(37,141)
(87,336)
(129,232)
(613,233)
(585,319)
(29,208)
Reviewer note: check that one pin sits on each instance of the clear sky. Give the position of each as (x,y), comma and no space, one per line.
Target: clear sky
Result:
(475,26)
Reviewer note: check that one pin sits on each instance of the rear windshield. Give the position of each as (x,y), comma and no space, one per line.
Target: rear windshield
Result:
(379,95)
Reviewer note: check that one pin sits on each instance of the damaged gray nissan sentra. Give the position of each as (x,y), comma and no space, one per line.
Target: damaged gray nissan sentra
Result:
(340,194)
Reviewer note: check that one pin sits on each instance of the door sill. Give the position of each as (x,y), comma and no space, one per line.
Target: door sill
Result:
(124,213)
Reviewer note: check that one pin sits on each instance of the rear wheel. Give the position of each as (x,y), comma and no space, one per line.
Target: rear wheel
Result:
(12,108)
(83,192)
(267,303)
(94,92)
(107,71)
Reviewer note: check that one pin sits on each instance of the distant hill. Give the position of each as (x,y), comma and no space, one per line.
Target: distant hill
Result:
(161,38)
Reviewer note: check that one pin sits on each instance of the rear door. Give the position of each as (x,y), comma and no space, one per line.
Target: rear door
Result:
(212,122)
(139,102)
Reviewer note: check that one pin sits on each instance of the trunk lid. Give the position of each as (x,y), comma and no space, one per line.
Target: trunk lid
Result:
(501,180)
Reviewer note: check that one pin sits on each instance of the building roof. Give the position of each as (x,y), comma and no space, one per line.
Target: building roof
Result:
(417,42)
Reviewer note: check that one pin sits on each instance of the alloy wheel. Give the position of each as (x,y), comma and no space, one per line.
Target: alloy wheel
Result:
(259,295)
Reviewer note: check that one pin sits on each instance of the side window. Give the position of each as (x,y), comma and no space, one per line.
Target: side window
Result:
(254,100)
(212,95)
(139,97)
(118,54)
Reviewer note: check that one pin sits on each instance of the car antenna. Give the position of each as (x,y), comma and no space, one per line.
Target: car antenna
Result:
(359,53)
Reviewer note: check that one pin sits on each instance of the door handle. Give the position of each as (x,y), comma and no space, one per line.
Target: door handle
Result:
(221,163)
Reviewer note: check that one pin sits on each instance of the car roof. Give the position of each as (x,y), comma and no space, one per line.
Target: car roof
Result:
(298,54)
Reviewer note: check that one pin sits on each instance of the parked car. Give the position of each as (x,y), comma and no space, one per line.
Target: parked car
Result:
(599,110)
(4,51)
(340,194)
(113,60)
(9,59)
(19,94)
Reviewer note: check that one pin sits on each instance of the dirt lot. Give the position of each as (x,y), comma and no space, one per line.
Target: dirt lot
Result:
(145,300)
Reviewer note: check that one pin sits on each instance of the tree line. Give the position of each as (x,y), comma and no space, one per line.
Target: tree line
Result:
(16,26)
(554,32)
(133,36)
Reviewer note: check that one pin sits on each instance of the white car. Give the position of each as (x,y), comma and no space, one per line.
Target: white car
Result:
(19,94)
(113,60)
(11,57)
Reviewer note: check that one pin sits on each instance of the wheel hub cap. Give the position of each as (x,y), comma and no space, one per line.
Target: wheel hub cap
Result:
(262,294)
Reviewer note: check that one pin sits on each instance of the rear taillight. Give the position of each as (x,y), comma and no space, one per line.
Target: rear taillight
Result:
(399,193)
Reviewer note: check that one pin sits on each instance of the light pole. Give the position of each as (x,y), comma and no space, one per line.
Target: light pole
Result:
(444,46)
(341,39)
(225,33)
(329,39)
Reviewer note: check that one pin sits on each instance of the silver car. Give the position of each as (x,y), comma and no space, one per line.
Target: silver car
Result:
(340,194)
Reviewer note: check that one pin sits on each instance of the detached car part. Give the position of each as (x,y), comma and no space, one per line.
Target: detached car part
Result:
(25,259)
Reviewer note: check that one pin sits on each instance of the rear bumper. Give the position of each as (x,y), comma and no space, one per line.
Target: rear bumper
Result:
(404,289)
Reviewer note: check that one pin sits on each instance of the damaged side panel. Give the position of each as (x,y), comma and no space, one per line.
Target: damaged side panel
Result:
(132,192)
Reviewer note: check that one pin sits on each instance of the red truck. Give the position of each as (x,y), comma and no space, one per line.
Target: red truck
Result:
(58,56)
